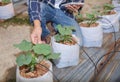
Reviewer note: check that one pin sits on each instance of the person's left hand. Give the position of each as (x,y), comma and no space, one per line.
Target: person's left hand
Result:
(73,8)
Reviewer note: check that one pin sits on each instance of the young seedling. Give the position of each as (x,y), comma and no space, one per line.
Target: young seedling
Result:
(107,8)
(79,18)
(34,54)
(91,19)
(6,1)
(64,34)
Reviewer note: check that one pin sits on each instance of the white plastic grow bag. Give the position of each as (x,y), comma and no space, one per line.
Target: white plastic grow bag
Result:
(110,23)
(93,36)
(7,11)
(69,54)
(116,4)
(48,77)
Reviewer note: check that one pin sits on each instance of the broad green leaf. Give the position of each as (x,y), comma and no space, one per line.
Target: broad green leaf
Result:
(34,60)
(24,59)
(42,49)
(24,45)
(59,26)
(53,56)
(20,60)
(68,31)
(61,30)
(64,32)
(28,59)
(59,38)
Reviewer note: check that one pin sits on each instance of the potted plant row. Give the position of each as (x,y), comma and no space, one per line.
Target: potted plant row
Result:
(33,64)
(110,19)
(6,9)
(91,30)
(66,44)
(116,4)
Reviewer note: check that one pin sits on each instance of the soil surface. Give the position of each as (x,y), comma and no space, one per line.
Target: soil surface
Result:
(40,70)
(72,42)
(91,26)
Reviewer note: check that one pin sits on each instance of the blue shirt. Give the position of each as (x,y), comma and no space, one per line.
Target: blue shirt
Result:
(34,7)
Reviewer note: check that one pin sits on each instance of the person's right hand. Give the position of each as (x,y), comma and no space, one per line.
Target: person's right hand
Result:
(36,35)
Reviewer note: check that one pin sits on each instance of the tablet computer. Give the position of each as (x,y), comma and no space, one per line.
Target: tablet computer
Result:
(73,3)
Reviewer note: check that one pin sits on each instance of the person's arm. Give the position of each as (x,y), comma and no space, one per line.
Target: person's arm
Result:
(34,13)
(36,33)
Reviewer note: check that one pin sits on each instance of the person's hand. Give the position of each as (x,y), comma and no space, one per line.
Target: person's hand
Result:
(36,35)
(73,8)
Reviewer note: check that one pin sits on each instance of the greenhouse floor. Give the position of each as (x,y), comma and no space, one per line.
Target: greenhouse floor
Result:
(106,58)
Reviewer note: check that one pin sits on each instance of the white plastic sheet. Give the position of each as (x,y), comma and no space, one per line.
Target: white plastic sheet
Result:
(92,37)
(116,4)
(110,23)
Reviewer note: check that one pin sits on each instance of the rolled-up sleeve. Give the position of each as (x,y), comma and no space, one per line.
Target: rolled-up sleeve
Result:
(34,10)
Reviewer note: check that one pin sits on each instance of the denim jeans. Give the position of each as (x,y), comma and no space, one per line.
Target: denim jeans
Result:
(57,16)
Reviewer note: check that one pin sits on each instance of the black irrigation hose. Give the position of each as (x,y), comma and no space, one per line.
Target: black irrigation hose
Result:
(114,40)
(91,61)
(110,52)
(96,70)
(95,64)
(51,72)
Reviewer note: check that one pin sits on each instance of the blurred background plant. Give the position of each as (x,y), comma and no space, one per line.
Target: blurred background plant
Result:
(16,20)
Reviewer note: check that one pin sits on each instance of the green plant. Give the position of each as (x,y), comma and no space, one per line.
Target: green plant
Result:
(91,18)
(6,1)
(64,34)
(79,18)
(107,8)
(33,54)
(16,20)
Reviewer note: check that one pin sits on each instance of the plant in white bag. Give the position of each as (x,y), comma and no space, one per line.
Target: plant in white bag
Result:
(66,44)
(91,30)
(90,20)
(110,19)
(32,61)
(79,18)
(65,35)
(108,9)
(6,9)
